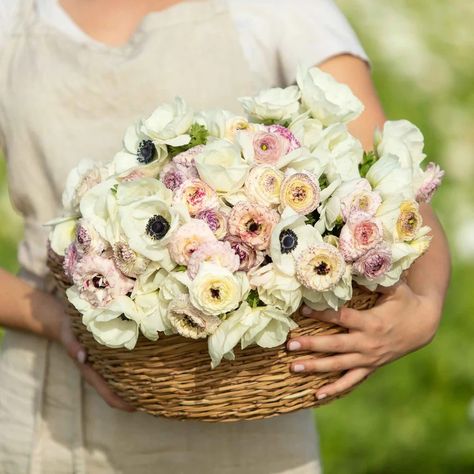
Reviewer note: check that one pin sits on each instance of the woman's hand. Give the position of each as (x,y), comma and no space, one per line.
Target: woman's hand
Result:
(401,322)
(65,336)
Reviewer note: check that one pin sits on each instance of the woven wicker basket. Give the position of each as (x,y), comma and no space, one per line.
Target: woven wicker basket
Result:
(173,378)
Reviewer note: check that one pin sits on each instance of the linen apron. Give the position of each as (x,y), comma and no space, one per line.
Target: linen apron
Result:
(61,101)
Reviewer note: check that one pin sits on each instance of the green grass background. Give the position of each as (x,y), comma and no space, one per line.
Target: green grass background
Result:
(416,415)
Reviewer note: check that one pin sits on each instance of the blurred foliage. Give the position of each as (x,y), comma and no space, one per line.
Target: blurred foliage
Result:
(415,415)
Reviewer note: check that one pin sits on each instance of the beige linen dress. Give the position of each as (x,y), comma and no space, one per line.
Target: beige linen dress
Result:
(61,101)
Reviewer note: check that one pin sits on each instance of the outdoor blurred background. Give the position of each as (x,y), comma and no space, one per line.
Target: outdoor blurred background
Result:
(416,415)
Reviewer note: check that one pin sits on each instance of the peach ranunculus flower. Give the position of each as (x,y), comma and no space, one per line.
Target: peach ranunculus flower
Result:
(253,223)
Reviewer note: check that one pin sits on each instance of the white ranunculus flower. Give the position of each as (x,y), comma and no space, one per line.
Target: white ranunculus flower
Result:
(273,104)
(82,178)
(169,124)
(328,101)
(388,178)
(221,166)
(266,326)
(216,290)
(405,141)
(341,152)
(276,288)
(62,235)
(99,207)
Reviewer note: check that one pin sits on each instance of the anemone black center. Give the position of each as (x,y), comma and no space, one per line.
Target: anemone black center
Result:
(322,268)
(146,152)
(288,241)
(157,227)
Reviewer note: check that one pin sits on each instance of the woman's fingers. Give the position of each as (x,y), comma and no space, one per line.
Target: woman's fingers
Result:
(345,317)
(100,385)
(339,343)
(346,382)
(336,363)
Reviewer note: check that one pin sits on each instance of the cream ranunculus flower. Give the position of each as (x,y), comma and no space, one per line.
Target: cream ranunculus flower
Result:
(401,219)
(221,166)
(275,104)
(216,290)
(223,124)
(328,100)
(334,298)
(265,326)
(276,288)
(62,234)
(169,124)
(189,322)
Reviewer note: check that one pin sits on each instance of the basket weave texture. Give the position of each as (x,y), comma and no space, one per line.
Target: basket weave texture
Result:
(173,378)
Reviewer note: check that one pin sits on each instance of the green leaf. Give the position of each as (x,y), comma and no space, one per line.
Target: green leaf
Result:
(181,268)
(367,161)
(254,300)
(199,135)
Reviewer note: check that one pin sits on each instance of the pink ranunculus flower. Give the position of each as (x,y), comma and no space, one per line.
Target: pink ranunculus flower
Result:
(188,238)
(292,143)
(358,236)
(99,281)
(375,263)
(197,196)
(186,160)
(172,176)
(220,253)
(361,200)
(216,219)
(249,258)
(268,148)
(88,240)
(432,179)
(71,257)
(253,223)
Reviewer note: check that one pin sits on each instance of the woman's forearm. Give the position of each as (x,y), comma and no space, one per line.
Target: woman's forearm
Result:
(26,308)
(429,275)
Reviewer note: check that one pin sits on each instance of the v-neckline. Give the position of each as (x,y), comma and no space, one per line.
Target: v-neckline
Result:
(142,25)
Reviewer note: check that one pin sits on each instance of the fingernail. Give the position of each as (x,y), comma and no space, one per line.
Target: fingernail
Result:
(294,346)
(322,396)
(306,311)
(81,356)
(298,368)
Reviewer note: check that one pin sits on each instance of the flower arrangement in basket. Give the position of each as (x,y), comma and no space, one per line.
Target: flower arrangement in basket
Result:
(200,240)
